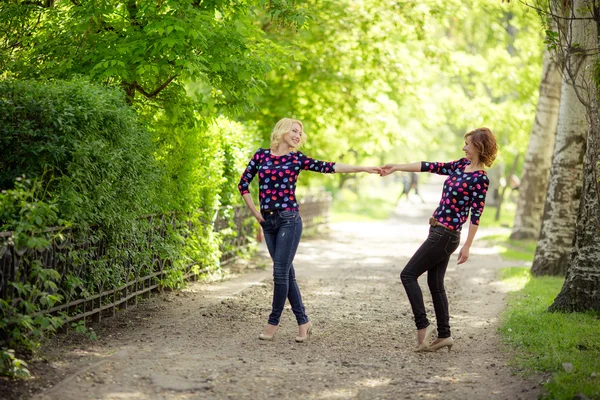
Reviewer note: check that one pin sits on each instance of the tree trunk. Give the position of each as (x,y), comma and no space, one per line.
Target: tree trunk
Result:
(566,174)
(580,290)
(538,159)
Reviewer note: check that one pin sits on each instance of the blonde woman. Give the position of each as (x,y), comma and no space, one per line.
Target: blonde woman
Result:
(278,168)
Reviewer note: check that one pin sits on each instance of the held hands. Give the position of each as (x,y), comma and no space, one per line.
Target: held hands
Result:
(382,171)
(388,169)
(372,170)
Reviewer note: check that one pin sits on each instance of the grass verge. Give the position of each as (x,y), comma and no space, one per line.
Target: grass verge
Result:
(512,250)
(566,346)
(505,219)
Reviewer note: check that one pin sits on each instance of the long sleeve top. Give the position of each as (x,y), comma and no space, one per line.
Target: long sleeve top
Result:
(278,176)
(463,191)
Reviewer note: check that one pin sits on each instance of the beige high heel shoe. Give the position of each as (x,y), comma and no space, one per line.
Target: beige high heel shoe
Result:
(429,332)
(264,336)
(446,342)
(302,339)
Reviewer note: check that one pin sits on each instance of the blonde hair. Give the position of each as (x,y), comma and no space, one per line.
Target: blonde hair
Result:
(281,128)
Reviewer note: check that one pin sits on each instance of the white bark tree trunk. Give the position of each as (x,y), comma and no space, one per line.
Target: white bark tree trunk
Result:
(581,290)
(538,159)
(566,174)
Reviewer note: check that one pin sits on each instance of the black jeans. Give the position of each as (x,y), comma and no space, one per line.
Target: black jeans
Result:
(433,257)
(282,230)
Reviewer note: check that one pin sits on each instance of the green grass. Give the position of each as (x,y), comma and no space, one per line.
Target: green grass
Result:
(512,250)
(507,216)
(543,341)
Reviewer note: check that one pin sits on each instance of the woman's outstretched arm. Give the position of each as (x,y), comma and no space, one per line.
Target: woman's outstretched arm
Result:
(346,168)
(391,168)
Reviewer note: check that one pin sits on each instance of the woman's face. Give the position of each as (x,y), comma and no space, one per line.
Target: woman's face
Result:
(294,136)
(471,153)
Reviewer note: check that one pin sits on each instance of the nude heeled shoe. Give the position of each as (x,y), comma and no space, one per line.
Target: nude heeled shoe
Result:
(302,339)
(264,336)
(429,332)
(446,342)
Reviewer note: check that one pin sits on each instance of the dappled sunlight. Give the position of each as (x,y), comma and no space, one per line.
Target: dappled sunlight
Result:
(515,283)
(468,320)
(327,293)
(341,393)
(485,250)
(374,382)
(126,396)
(371,278)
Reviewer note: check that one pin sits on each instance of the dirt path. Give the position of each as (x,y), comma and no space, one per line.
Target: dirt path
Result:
(202,343)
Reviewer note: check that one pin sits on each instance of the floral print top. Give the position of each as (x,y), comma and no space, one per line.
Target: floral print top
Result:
(462,191)
(277,177)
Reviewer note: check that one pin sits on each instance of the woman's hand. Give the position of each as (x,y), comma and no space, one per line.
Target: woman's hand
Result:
(372,170)
(463,254)
(388,169)
(258,217)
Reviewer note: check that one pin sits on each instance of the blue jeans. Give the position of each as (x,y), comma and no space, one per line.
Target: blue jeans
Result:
(433,257)
(282,230)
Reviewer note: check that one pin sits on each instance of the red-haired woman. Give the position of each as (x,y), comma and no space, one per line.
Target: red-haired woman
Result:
(464,191)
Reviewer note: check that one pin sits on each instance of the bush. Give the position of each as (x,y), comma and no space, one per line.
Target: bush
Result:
(84,145)
(91,167)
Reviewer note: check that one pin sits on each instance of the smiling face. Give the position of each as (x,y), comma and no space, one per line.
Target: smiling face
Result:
(293,138)
(471,152)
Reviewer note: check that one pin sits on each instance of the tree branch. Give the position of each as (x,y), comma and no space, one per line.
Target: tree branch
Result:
(155,91)
(41,4)
(555,15)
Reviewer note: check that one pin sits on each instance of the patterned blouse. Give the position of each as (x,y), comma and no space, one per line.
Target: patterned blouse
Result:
(277,177)
(462,191)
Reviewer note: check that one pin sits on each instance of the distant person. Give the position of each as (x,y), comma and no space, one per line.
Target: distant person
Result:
(514,183)
(408,185)
(278,168)
(464,191)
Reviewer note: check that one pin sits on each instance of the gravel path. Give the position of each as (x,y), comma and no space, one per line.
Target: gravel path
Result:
(202,343)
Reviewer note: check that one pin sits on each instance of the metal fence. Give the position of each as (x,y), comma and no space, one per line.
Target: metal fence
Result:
(139,280)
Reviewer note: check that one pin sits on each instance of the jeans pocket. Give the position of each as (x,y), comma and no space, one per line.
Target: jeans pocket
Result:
(452,244)
(288,215)
(434,235)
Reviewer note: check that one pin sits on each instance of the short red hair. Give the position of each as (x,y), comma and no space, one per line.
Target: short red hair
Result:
(485,142)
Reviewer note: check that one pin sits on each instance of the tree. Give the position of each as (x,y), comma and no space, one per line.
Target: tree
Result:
(566,174)
(152,50)
(580,290)
(538,159)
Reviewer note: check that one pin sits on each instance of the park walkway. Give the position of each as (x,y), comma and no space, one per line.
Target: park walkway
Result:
(202,343)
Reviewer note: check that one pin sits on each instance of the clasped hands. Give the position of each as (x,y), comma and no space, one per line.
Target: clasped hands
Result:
(381,171)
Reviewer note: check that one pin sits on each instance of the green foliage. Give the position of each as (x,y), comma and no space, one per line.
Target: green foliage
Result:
(81,329)
(12,366)
(545,341)
(152,50)
(35,287)
(84,145)
(378,81)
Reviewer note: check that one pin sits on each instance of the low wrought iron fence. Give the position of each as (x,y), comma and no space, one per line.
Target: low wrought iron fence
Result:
(235,224)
